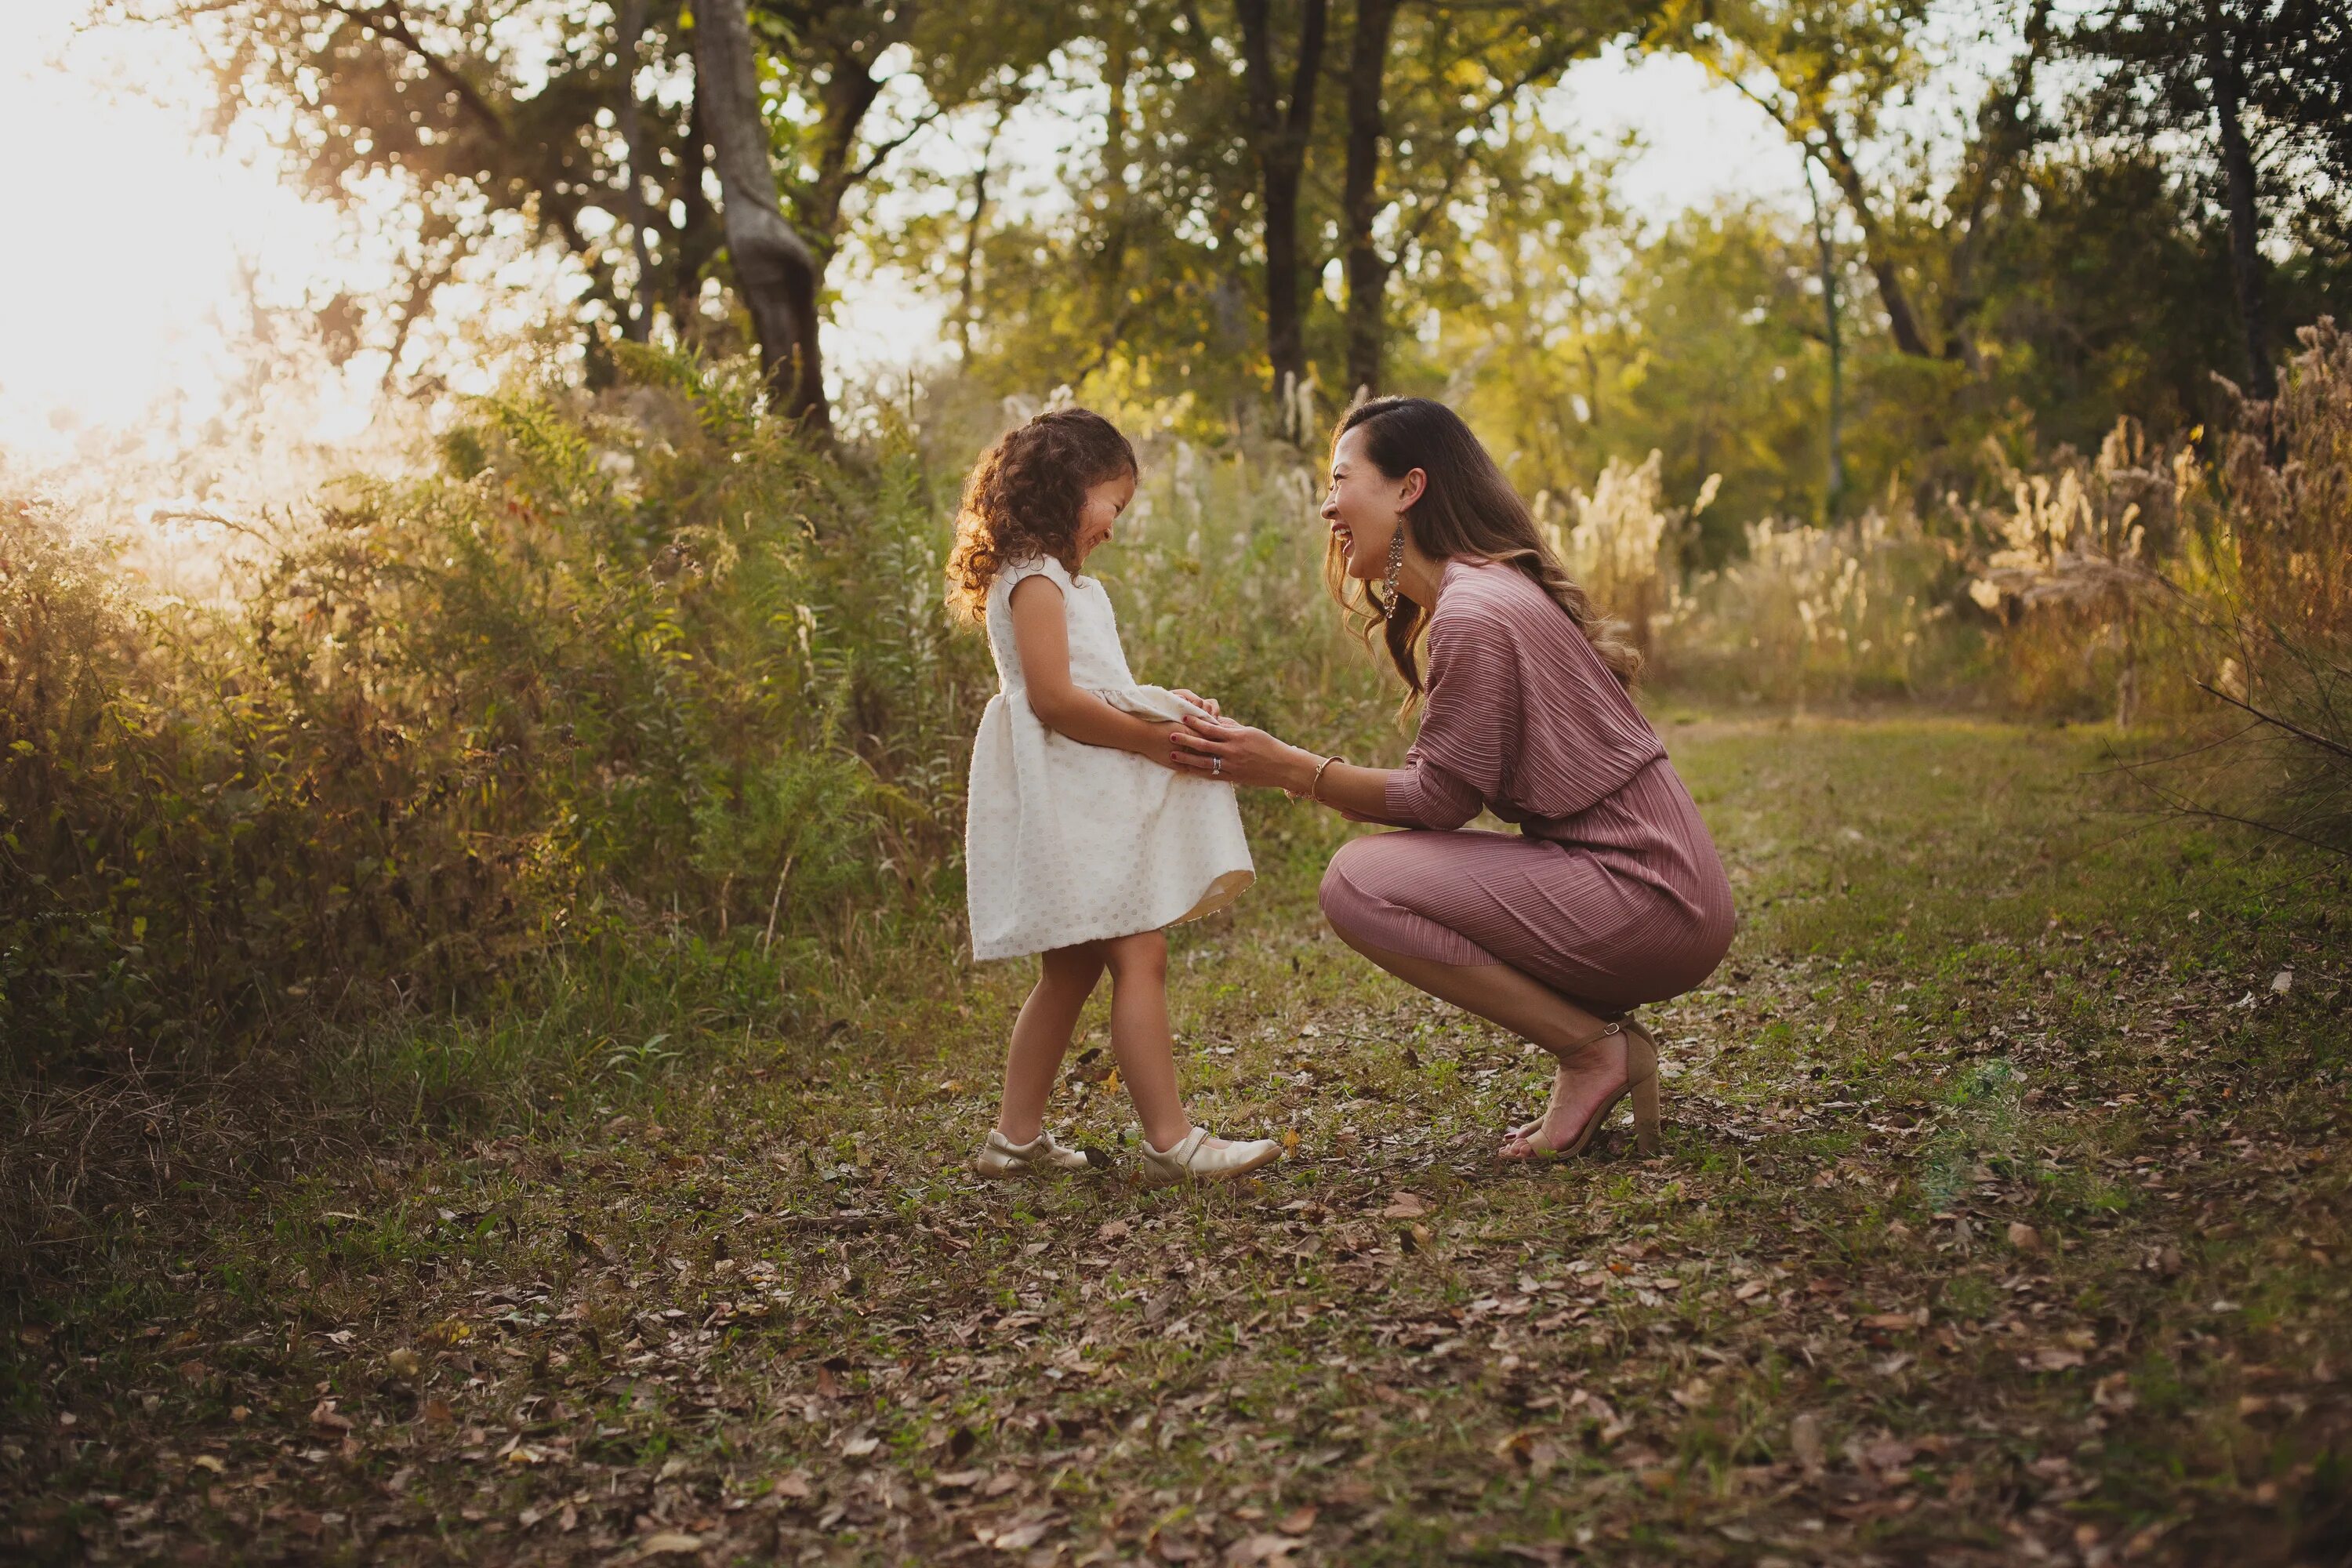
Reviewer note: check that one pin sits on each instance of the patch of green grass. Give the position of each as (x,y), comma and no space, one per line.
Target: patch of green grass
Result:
(1992,1010)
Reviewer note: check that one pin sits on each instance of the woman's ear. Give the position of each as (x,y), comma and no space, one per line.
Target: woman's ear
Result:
(1416,480)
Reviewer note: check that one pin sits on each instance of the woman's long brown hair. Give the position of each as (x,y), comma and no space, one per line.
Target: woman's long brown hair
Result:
(1466,507)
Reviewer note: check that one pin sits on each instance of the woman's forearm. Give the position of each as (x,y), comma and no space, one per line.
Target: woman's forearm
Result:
(1358,791)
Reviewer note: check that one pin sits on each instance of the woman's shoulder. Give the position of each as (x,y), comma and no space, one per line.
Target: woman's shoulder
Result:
(1476,592)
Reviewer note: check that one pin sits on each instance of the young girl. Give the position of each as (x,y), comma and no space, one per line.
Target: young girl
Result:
(1082,841)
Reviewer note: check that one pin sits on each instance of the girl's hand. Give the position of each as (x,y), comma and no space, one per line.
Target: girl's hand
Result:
(1237,754)
(1197,700)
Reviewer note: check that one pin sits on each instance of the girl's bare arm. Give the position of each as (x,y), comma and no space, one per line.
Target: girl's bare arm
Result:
(1042,632)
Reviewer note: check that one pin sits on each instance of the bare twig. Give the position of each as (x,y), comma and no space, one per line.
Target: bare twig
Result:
(2291,728)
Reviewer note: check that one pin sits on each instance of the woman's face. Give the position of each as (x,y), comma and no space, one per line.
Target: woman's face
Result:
(1363,507)
(1105,499)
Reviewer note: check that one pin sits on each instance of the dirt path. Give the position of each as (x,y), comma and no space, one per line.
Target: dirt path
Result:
(2001,1218)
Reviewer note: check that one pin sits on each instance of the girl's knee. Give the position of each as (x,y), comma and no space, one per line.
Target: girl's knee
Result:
(1074,966)
(1143,956)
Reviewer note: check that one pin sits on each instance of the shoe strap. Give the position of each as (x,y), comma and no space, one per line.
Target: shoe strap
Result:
(1183,1153)
(1593,1039)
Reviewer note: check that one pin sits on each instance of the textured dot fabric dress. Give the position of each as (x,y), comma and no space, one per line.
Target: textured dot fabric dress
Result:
(1065,842)
(1612,892)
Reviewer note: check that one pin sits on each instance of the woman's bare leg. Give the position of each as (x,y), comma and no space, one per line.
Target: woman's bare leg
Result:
(1041,1036)
(1139,1036)
(1592,1063)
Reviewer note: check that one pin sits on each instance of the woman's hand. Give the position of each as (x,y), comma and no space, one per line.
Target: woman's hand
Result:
(1238,754)
(1207,703)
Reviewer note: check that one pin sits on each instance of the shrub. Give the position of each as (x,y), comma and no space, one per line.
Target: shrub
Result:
(627,661)
(2269,608)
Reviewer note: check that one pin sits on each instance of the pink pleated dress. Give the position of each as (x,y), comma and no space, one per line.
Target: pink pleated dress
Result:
(1612,892)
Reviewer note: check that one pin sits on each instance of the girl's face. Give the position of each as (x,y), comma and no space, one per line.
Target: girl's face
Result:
(1365,507)
(1105,499)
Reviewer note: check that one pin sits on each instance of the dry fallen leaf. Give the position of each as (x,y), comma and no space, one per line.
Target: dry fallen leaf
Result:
(1260,1547)
(1889,1453)
(794,1484)
(668,1543)
(2024,1236)
(403,1362)
(1405,1206)
(1805,1438)
(1298,1521)
(1022,1537)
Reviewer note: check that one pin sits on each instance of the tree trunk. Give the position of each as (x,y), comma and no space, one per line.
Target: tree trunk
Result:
(1834,486)
(1902,321)
(776,271)
(968,295)
(1282,133)
(2004,139)
(698,235)
(2245,229)
(637,325)
(1367,270)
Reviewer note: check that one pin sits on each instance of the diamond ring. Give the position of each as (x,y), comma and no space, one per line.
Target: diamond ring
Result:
(1216,765)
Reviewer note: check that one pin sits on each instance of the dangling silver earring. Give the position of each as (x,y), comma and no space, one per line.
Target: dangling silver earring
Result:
(1396,564)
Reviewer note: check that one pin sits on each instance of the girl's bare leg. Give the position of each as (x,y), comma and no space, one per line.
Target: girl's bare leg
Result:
(1041,1036)
(1591,1069)
(1139,1036)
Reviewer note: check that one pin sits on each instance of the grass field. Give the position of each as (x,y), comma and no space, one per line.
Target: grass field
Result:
(2002,1218)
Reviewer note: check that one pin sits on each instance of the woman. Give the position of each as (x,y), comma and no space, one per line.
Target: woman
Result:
(1611,894)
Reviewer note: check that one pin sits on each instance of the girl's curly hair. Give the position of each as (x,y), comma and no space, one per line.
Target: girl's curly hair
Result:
(1023,498)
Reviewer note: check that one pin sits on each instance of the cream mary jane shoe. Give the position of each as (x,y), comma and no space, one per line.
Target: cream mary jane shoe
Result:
(1000,1156)
(1193,1161)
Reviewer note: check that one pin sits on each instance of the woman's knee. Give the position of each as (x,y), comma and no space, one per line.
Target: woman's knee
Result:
(1351,881)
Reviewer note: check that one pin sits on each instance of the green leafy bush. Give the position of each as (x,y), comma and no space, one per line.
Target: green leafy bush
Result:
(628,661)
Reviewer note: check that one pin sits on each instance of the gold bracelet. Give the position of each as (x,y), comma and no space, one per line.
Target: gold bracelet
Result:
(1315,784)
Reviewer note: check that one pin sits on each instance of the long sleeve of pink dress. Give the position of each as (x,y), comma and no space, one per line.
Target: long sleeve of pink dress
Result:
(1612,892)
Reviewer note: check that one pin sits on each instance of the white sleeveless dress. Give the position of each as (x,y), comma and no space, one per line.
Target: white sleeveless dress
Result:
(1065,842)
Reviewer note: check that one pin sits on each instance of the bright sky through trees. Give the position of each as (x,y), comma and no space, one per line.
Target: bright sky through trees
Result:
(124,307)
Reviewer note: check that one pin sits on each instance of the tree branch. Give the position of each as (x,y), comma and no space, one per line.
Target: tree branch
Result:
(392,23)
(1551,59)
(2271,719)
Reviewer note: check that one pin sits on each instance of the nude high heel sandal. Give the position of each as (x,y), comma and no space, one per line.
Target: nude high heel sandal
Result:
(1000,1156)
(1642,1079)
(1641,1084)
(1191,1161)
